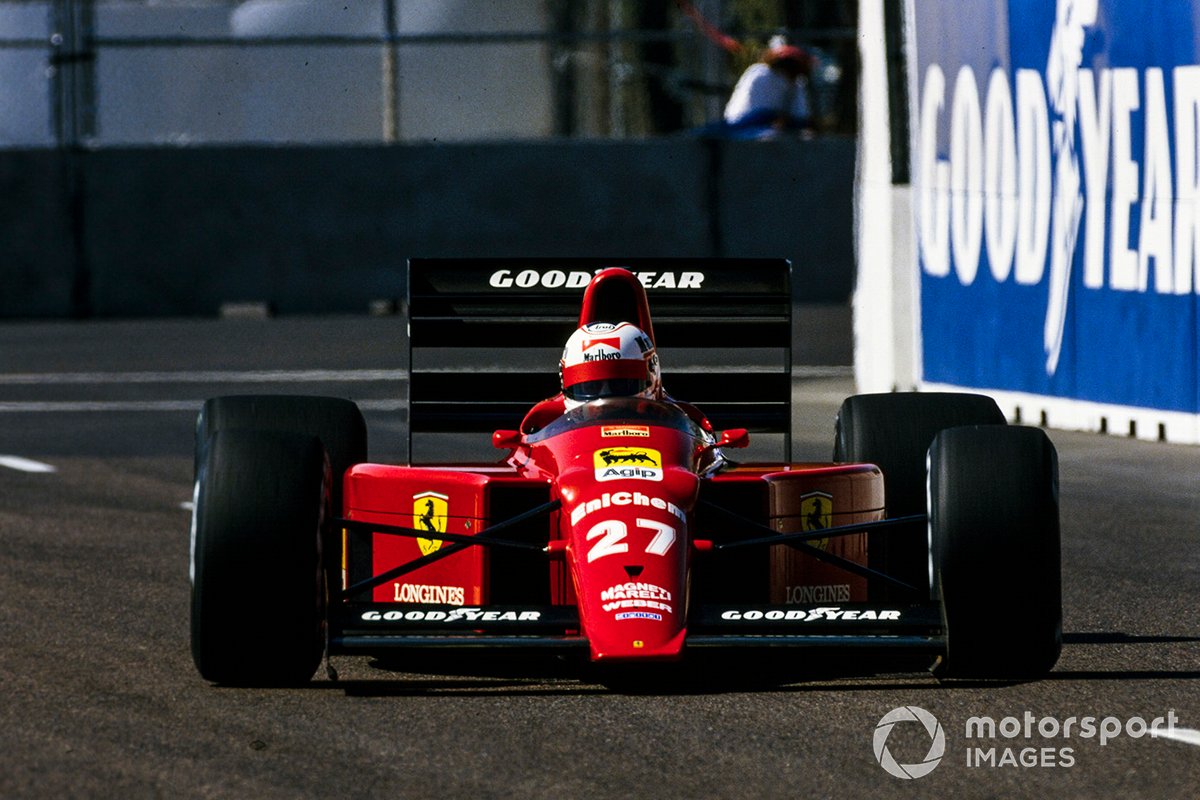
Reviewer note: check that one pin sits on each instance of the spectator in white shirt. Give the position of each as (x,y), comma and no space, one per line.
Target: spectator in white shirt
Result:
(773,93)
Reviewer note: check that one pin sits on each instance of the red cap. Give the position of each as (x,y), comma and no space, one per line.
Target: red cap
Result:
(788,53)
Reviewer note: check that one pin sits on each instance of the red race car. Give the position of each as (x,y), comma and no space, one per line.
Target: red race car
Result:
(616,525)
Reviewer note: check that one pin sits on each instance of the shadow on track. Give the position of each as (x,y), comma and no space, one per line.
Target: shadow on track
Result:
(521,674)
(1117,637)
(504,674)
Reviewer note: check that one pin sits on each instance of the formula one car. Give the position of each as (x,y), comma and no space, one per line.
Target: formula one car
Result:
(618,528)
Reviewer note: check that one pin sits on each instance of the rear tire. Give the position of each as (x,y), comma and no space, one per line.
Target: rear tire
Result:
(258,587)
(994,524)
(894,431)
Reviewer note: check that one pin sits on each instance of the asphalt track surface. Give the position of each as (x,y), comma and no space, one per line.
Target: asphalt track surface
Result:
(99,698)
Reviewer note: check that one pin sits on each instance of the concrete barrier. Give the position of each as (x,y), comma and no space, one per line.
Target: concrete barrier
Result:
(182,231)
(41,274)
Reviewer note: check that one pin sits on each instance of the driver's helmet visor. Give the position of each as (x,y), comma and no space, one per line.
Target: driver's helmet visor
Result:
(594,380)
(610,387)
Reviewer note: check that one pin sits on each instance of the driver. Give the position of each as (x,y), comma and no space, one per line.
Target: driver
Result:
(603,359)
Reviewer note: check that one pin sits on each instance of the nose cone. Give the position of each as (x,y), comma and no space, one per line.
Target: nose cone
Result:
(628,547)
(630,610)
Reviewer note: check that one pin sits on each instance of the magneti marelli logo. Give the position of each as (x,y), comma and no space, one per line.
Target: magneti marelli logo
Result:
(937,746)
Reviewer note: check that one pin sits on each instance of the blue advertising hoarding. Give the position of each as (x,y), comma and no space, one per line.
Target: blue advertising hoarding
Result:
(1056,177)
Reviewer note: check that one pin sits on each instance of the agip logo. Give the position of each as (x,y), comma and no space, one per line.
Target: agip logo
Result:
(628,463)
(430,511)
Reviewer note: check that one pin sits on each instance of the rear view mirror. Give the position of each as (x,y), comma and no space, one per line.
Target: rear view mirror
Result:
(506,439)
(734,437)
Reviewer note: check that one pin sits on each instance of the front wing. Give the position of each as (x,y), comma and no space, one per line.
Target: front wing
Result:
(375,628)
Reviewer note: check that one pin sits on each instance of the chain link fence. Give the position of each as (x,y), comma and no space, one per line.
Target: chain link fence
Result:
(104,73)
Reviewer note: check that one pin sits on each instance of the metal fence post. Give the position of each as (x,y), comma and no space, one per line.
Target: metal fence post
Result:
(391,75)
(72,62)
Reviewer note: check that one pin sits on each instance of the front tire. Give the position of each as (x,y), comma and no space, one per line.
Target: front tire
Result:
(893,432)
(337,422)
(258,587)
(994,526)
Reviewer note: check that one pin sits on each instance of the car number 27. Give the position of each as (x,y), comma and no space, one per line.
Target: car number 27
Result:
(611,534)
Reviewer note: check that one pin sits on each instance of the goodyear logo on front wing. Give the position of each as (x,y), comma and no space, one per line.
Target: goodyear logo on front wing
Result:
(816,514)
(430,511)
(628,463)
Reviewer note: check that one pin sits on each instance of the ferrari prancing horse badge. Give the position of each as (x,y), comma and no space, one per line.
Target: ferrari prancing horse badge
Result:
(430,510)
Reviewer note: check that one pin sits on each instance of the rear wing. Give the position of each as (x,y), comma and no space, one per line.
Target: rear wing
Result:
(485,337)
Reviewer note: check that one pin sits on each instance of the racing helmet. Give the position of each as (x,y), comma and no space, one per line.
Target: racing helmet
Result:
(603,359)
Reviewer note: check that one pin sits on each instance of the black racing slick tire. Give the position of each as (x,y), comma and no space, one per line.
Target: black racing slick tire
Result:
(893,431)
(994,529)
(258,586)
(337,422)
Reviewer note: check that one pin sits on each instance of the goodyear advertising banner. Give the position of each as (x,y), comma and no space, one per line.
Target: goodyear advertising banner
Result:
(1057,196)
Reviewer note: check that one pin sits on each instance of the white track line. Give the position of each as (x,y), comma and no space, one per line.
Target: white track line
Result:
(216,376)
(117,406)
(319,375)
(25,464)
(42,407)
(1185,735)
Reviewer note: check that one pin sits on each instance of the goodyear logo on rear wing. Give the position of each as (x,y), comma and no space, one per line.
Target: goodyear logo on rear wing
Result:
(632,463)
(577,279)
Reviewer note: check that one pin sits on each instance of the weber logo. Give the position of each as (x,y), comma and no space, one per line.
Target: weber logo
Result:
(638,596)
